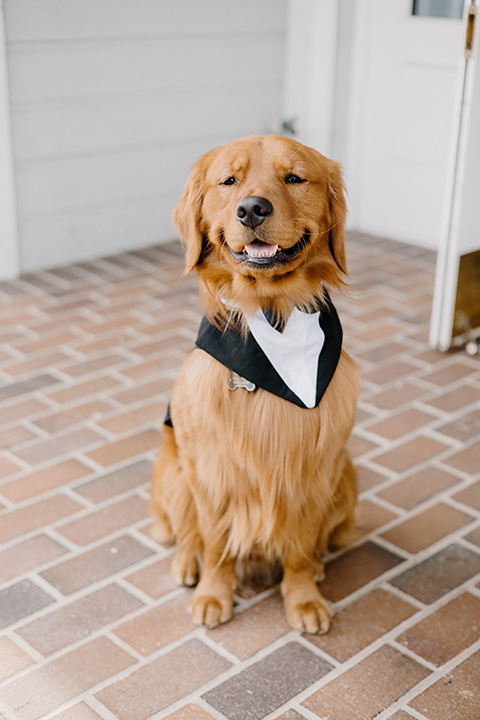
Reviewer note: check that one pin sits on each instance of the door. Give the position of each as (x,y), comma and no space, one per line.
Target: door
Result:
(405,70)
(456,306)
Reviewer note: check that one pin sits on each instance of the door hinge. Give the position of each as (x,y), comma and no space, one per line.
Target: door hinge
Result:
(472,12)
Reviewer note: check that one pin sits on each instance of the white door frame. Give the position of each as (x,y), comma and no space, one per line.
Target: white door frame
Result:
(9,253)
(448,260)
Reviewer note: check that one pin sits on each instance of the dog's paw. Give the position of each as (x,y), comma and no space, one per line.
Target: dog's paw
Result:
(210,611)
(162,532)
(313,616)
(185,568)
(320,572)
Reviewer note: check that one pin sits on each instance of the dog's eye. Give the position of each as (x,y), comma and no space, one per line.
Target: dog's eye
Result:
(230,181)
(294,179)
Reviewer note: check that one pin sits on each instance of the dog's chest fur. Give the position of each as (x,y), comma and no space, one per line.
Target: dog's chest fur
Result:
(270,458)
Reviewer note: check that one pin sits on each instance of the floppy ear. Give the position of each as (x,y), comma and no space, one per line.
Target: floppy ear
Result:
(187,216)
(338,212)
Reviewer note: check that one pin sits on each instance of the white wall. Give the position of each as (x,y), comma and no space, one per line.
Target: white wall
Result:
(113,100)
(310,77)
(344,58)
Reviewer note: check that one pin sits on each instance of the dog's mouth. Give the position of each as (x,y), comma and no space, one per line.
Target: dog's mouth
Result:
(264,254)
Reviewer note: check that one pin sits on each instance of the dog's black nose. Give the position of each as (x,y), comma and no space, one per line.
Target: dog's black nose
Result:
(253,210)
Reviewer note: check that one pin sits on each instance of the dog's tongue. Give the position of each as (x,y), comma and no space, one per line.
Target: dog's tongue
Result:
(260,249)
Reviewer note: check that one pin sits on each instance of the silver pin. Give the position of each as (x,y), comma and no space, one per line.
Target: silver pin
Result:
(237,381)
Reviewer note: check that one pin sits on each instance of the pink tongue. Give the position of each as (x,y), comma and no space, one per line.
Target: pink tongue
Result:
(260,249)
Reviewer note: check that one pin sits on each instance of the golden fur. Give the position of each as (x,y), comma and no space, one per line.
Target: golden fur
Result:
(242,473)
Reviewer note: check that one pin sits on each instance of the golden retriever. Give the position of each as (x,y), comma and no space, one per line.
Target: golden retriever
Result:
(250,466)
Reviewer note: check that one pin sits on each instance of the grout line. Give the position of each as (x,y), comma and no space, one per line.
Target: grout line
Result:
(438,674)
(404,650)
(372,497)
(414,713)
(409,599)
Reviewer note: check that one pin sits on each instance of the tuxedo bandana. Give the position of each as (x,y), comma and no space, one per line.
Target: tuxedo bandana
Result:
(295,362)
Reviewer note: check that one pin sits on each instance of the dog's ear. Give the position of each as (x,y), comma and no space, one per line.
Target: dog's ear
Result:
(338,213)
(187,216)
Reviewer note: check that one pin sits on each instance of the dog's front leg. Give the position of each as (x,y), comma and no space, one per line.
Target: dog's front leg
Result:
(305,606)
(212,601)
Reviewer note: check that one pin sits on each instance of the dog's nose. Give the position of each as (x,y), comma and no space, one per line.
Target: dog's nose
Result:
(253,210)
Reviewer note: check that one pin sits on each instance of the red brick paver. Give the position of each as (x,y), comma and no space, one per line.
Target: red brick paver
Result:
(92,624)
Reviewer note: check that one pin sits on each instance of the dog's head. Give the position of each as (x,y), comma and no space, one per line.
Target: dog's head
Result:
(262,220)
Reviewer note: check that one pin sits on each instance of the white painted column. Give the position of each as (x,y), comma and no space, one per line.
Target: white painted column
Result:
(9,256)
(356,119)
(310,70)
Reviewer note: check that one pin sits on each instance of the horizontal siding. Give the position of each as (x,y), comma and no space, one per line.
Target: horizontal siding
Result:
(97,231)
(106,122)
(112,101)
(46,20)
(101,180)
(131,66)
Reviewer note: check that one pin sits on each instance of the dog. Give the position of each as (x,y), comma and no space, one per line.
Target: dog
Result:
(253,466)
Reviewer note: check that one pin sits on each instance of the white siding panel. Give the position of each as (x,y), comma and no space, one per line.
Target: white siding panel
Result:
(62,239)
(103,180)
(100,126)
(85,19)
(133,66)
(113,100)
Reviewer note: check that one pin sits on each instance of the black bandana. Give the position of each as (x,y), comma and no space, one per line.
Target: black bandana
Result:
(246,357)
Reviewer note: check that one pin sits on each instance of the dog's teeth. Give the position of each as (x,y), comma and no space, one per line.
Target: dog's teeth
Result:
(258,250)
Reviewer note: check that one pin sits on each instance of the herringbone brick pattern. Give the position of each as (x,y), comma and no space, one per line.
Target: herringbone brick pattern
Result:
(92,625)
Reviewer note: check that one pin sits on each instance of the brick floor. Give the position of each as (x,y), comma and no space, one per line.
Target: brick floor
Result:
(92,624)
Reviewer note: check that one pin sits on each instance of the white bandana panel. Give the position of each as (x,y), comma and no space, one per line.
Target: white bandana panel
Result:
(294,353)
